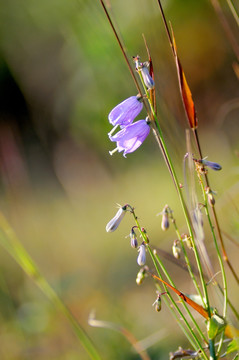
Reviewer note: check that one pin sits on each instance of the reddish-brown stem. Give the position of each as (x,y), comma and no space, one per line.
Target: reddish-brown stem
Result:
(226,27)
(121,47)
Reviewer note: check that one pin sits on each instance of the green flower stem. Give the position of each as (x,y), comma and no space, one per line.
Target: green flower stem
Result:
(174,314)
(12,245)
(183,303)
(212,349)
(176,306)
(225,291)
(198,344)
(225,257)
(186,258)
(159,137)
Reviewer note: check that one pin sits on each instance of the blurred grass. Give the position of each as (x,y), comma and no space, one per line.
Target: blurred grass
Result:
(59,186)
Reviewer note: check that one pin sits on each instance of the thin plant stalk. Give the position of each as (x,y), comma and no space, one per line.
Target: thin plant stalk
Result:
(187,259)
(233,11)
(173,312)
(179,311)
(163,147)
(159,138)
(225,257)
(225,291)
(183,303)
(12,245)
(173,302)
(217,6)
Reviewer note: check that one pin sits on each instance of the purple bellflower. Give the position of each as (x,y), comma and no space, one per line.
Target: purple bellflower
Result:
(130,137)
(124,113)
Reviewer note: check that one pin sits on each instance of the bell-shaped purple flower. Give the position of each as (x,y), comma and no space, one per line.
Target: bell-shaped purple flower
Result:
(131,137)
(125,112)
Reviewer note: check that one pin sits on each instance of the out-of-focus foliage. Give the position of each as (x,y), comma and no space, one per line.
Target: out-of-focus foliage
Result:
(61,72)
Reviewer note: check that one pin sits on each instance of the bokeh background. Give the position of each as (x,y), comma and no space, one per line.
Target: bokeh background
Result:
(61,72)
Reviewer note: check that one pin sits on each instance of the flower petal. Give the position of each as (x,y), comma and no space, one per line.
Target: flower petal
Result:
(124,113)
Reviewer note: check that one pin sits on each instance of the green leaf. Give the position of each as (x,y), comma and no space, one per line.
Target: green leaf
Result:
(215,325)
(233,346)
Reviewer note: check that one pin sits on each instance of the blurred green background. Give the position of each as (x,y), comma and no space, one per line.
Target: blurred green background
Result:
(61,72)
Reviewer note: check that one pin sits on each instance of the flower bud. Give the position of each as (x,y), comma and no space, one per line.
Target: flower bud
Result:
(141,260)
(176,249)
(157,304)
(141,275)
(143,68)
(210,197)
(148,81)
(165,222)
(188,241)
(133,239)
(114,223)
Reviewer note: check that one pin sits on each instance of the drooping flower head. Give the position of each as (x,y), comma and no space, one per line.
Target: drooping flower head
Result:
(114,223)
(130,137)
(124,113)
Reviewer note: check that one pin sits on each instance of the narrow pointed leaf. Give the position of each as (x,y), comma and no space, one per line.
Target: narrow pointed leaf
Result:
(233,346)
(185,91)
(230,331)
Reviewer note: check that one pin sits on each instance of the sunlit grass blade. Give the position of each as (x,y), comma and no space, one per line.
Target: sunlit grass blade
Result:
(10,242)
